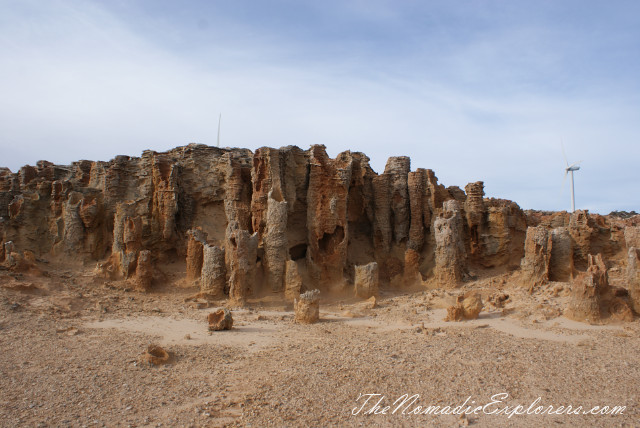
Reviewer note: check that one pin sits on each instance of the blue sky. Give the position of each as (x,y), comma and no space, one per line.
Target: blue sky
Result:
(475,90)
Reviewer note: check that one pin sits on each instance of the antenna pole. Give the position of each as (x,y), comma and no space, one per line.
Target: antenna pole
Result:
(219,120)
(573,198)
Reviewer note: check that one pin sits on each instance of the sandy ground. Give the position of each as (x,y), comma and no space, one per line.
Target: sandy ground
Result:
(72,356)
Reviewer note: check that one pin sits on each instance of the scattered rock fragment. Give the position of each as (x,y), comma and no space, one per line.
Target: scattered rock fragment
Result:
(220,320)
(156,355)
(371,303)
(467,307)
(307,307)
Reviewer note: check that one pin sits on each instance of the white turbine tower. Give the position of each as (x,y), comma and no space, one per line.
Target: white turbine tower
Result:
(569,169)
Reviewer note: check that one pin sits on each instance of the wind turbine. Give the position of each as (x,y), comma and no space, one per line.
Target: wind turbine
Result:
(569,169)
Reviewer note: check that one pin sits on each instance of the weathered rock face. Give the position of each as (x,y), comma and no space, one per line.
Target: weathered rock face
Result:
(314,219)
(474,210)
(366,280)
(593,299)
(450,254)
(582,231)
(144,271)
(560,255)
(197,240)
(535,264)
(633,277)
(327,216)
(412,275)
(293,281)
(398,169)
(632,236)
(501,235)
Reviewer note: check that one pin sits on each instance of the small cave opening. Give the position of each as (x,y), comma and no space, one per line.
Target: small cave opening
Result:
(330,241)
(298,252)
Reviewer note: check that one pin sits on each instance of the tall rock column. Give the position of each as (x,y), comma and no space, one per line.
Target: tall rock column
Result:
(275,241)
(127,238)
(165,198)
(213,278)
(327,216)
(266,176)
(420,219)
(243,255)
(73,227)
(197,240)
(474,210)
(417,200)
(450,257)
(535,264)
(237,201)
(398,169)
(382,230)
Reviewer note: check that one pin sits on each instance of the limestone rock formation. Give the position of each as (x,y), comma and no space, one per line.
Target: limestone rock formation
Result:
(243,222)
(467,307)
(195,253)
(633,277)
(450,256)
(213,279)
(412,275)
(560,255)
(366,280)
(293,281)
(275,241)
(243,254)
(397,169)
(327,216)
(474,210)
(307,307)
(632,236)
(144,271)
(220,320)
(535,264)
(582,230)
(420,212)
(592,299)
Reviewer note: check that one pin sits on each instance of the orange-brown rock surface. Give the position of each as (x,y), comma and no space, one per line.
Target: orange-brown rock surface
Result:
(593,299)
(244,223)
